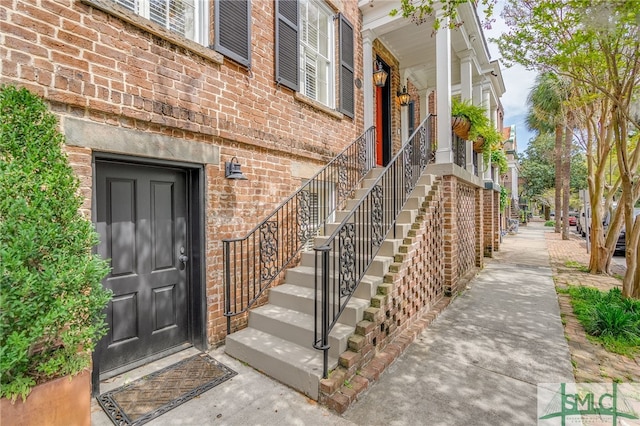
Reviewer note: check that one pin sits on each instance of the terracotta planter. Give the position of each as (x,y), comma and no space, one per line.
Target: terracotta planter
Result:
(460,126)
(478,144)
(61,402)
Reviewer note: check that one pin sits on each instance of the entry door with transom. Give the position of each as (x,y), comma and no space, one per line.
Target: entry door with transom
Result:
(142,222)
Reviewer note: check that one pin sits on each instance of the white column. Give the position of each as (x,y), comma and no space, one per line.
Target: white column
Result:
(486,100)
(486,103)
(466,76)
(424,104)
(404,123)
(466,94)
(444,154)
(367,84)
(404,110)
(477,94)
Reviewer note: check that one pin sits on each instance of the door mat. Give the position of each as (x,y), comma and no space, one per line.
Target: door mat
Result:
(145,399)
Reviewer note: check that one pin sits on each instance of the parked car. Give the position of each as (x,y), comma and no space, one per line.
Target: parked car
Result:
(621,244)
(572,218)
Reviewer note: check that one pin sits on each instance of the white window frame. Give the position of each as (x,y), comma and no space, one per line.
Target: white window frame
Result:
(324,94)
(200,17)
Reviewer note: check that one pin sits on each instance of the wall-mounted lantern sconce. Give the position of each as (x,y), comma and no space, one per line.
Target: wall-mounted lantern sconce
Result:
(404,96)
(232,170)
(379,75)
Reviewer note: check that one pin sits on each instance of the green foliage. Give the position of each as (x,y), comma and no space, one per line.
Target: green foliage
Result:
(577,265)
(546,103)
(609,317)
(500,158)
(504,198)
(551,223)
(537,167)
(50,283)
(419,11)
(476,115)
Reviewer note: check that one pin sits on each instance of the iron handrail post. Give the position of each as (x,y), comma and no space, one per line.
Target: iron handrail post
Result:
(227,284)
(324,307)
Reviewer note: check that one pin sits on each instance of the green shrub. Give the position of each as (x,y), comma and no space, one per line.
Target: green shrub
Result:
(550,223)
(611,318)
(51,297)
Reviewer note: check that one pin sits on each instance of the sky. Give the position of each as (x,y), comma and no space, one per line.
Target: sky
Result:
(517,80)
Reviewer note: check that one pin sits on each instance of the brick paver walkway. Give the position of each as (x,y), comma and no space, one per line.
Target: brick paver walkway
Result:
(592,363)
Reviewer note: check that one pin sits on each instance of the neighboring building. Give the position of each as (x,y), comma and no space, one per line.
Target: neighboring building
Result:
(161,102)
(512,177)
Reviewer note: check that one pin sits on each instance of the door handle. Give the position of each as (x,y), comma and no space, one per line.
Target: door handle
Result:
(183,258)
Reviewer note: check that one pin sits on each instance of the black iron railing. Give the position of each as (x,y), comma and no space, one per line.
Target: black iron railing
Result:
(343,260)
(252,263)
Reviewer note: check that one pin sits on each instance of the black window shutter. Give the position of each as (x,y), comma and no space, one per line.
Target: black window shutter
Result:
(346,67)
(287,55)
(233,30)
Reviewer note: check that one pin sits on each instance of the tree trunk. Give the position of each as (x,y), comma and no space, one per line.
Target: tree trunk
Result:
(558,198)
(566,177)
(631,280)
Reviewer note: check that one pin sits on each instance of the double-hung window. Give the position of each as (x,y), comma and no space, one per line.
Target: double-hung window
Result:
(316,52)
(305,52)
(187,18)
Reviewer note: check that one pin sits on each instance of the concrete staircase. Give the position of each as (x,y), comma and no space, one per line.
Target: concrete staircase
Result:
(279,338)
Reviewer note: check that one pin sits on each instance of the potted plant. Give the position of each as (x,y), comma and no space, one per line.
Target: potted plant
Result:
(467,119)
(487,140)
(499,158)
(51,296)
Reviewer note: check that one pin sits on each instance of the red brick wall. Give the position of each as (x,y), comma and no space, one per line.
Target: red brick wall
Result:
(467,235)
(463,230)
(490,214)
(496,221)
(91,65)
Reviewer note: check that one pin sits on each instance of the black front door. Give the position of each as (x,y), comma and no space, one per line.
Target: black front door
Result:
(142,221)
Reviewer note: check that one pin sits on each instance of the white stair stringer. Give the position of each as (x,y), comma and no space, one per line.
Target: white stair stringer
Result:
(279,337)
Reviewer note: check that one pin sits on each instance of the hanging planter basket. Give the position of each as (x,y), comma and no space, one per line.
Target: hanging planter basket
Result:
(461,126)
(478,144)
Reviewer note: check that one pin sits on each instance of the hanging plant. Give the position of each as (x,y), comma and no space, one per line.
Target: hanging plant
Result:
(491,140)
(499,158)
(467,119)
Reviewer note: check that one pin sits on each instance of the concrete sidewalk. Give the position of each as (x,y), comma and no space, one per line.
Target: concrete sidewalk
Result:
(478,363)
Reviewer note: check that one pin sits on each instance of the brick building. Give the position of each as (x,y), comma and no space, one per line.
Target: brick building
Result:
(161,102)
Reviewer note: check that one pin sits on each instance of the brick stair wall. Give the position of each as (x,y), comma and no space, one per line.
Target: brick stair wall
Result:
(412,296)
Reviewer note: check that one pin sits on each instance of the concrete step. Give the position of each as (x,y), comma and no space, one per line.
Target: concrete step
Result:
(379,266)
(401,229)
(303,276)
(279,338)
(294,365)
(302,299)
(297,327)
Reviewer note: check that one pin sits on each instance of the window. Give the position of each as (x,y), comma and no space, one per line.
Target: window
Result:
(305,57)
(185,17)
(316,52)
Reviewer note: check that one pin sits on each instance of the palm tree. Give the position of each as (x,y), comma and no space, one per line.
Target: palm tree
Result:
(547,115)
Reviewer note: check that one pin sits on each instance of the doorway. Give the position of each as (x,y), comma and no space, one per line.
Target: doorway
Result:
(383,120)
(148,220)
